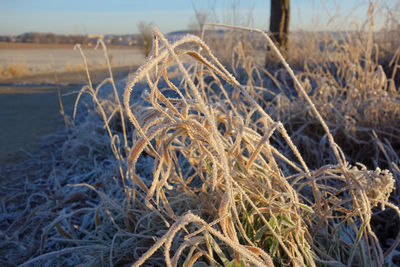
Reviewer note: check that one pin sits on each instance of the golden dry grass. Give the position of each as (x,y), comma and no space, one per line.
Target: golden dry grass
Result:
(194,165)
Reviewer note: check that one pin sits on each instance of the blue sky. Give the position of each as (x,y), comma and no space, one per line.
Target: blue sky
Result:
(122,16)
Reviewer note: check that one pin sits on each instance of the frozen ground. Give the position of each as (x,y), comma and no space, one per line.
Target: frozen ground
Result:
(39,60)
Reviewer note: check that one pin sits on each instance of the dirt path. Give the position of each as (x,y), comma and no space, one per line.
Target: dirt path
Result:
(31,110)
(25,119)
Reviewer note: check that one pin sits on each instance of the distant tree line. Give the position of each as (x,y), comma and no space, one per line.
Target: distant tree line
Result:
(46,38)
(52,38)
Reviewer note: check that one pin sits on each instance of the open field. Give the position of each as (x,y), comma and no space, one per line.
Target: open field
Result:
(29,59)
(75,78)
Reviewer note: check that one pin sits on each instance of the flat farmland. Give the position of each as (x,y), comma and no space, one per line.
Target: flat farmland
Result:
(26,59)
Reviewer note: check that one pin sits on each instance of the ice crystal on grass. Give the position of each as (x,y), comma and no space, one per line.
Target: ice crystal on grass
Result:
(378,184)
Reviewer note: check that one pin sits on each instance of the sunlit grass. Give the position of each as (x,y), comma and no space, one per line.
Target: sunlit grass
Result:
(198,163)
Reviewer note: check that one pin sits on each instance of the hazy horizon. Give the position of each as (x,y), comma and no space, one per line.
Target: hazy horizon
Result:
(122,16)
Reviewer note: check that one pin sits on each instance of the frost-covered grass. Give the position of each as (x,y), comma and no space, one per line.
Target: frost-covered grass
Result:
(191,164)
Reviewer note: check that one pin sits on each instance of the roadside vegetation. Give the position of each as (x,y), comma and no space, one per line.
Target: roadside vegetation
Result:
(14,70)
(204,156)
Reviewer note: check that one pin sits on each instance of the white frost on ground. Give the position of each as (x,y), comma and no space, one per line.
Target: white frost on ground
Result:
(39,60)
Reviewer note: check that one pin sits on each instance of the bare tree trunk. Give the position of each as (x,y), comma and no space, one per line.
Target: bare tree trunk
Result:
(279,23)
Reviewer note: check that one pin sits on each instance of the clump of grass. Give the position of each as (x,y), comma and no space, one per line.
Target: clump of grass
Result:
(238,168)
(14,70)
